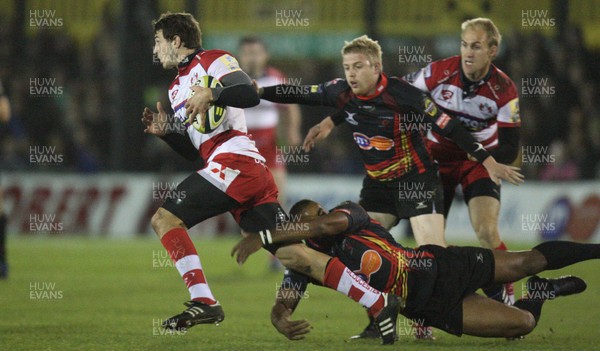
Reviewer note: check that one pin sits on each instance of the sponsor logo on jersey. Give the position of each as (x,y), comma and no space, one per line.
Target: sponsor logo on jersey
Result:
(443,120)
(370,262)
(377,142)
(514,111)
(350,118)
(230,62)
(472,124)
(447,94)
(430,107)
(484,107)
(219,175)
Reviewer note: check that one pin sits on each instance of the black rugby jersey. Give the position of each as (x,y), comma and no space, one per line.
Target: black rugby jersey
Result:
(388,126)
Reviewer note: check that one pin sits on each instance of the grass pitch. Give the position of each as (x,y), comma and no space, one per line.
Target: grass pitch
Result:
(97,294)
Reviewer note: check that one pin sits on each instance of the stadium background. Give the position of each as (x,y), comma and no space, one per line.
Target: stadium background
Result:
(75,163)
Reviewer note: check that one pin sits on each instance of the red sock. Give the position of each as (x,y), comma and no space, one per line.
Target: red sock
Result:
(501,247)
(340,278)
(180,247)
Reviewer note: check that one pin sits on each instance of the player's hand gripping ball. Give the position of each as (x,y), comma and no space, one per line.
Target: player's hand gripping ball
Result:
(215,115)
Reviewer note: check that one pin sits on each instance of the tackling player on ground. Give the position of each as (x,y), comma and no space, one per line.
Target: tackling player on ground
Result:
(484,99)
(435,285)
(233,177)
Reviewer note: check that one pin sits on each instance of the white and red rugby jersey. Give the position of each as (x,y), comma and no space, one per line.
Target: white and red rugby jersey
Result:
(266,114)
(231,136)
(493,104)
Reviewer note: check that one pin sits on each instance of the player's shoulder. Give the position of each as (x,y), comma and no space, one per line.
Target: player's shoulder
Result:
(207,57)
(502,84)
(441,70)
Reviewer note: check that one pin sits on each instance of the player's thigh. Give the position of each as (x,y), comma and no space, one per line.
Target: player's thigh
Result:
(449,173)
(485,317)
(379,201)
(303,259)
(196,199)
(429,229)
(421,194)
(482,197)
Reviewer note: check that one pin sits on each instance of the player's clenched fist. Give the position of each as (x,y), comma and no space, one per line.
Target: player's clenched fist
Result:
(156,123)
(199,102)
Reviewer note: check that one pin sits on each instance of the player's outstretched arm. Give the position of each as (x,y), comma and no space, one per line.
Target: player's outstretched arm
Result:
(289,295)
(451,128)
(324,94)
(330,224)
(476,152)
(508,145)
(317,133)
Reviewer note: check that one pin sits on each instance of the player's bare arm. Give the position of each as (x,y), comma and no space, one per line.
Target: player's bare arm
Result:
(330,224)
(287,299)
(292,120)
(317,133)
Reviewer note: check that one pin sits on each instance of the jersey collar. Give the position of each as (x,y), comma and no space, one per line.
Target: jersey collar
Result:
(381,85)
(186,61)
(469,87)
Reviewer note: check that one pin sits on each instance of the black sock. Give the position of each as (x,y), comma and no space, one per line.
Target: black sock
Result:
(560,254)
(2,238)
(532,305)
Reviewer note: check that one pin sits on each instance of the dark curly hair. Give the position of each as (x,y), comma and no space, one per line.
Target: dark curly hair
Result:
(180,24)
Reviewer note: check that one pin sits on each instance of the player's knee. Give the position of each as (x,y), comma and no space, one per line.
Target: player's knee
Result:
(487,234)
(162,221)
(524,324)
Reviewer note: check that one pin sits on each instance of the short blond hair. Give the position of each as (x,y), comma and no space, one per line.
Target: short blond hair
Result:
(364,45)
(493,34)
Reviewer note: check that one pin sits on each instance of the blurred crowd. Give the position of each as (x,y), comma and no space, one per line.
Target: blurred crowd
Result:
(74,121)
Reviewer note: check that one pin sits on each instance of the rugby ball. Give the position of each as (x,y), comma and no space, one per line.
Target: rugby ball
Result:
(215,114)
